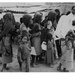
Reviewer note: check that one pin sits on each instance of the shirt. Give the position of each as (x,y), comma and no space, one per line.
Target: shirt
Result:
(64,25)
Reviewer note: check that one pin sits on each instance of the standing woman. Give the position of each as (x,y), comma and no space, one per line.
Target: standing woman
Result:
(36,38)
(50,38)
(6,38)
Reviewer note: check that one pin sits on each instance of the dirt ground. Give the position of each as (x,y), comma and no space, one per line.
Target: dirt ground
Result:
(14,67)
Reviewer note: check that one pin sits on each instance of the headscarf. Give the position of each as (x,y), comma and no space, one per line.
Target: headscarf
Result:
(26,19)
(52,16)
(8,24)
(37,17)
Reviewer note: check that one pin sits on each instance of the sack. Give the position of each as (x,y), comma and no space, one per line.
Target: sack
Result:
(33,52)
(44,46)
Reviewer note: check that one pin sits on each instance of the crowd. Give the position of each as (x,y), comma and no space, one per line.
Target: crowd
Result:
(39,40)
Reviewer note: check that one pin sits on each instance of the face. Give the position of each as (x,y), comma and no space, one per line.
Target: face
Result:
(31,21)
(73,11)
(24,39)
(69,44)
(74,43)
(48,25)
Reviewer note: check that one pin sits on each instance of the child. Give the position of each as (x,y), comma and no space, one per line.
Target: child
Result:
(50,44)
(24,54)
(67,59)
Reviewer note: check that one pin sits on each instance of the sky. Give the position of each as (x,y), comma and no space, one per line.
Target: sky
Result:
(20,4)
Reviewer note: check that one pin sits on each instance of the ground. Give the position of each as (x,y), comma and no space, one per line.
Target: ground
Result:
(14,67)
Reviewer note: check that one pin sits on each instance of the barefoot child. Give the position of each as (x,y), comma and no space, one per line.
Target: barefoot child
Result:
(24,54)
(66,61)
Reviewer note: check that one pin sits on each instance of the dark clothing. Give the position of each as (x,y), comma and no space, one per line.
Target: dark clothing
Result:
(58,45)
(43,35)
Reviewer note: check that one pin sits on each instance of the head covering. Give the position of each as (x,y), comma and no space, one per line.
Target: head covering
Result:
(52,16)
(8,16)
(70,36)
(37,17)
(8,24)
(26,19)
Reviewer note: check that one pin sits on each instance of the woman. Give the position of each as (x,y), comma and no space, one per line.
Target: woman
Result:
(6,38)
(25,23)
(50,45)
(36,40)
(25,28)
(50,39)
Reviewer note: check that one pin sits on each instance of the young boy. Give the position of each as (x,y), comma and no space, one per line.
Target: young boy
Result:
(24,54)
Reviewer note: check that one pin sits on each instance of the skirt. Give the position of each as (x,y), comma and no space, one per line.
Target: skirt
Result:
(37,45)
(6,59)
(49,55)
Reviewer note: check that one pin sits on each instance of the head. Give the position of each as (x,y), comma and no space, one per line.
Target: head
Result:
(37,17)
(26,19)
(69,44)
(69,39)
(73,10)
(49,25)
(31,24)
(52,16)
(36,28)
(24,39)
(8,16)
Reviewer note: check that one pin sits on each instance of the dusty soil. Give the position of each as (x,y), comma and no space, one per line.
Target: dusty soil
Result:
(14,67)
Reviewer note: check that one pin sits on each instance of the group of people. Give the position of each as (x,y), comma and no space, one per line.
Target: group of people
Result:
(55,32)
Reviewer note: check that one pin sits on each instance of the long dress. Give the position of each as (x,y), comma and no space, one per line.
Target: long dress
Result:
(67,57)
(50,53)
(50,50)
(37,44)
(6,50)
(6,37)
(36,38)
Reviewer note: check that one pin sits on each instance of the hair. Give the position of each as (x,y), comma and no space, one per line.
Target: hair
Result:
(57,11)
(70,37)
(24,35)
(37,17)
(68,13)
(73,7)
(26,19)
(21,20)
(52,16)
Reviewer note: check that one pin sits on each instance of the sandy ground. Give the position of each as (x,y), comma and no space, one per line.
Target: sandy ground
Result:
(14,67)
